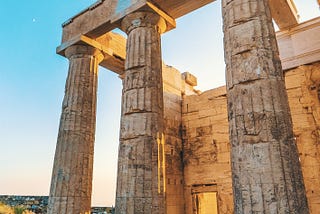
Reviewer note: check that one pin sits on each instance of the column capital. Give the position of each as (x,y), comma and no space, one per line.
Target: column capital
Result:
(143,19)
(77,51)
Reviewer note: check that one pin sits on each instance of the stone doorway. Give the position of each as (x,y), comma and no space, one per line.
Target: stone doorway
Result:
(205,199)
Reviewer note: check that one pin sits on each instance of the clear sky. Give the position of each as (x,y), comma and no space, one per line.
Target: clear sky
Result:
(32,79)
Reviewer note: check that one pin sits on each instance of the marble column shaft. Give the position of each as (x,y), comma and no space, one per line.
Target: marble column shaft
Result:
(141,182)
(266,170)
(71,183)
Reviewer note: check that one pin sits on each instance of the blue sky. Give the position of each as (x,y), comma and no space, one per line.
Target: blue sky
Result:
(32,79)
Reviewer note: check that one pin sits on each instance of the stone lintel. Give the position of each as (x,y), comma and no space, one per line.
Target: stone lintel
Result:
(284,13)
(96,20)
(102,17)
(88,9)
(178,8)
(111,45)
(300,45)
(204,188)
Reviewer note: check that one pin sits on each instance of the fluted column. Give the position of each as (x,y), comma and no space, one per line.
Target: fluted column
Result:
(266,170)
(141,175)
(71,183)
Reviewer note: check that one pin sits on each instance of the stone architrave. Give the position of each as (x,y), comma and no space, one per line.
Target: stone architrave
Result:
(141,164)
(266,171)
(71,183)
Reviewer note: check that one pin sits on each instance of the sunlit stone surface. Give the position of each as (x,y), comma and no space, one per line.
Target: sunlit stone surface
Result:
(174,152)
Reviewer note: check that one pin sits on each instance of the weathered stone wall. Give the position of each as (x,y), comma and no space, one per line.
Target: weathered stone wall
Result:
(206,147)
(173,144)
(303,87)
(174,85)
(206,140)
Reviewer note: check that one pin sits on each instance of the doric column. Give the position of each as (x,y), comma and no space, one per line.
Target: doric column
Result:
(266,170)
(140,184)
(71,183)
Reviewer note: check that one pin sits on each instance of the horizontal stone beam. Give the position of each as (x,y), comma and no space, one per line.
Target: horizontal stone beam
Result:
(178,8)
(95,18)
(284,13)
(103,17)
(111,44)
(300,45)
(117,44)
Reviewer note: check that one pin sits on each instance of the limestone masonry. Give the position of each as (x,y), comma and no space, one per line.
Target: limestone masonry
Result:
(249,147)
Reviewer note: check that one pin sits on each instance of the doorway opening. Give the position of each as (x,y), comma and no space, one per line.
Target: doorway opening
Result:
(205,199)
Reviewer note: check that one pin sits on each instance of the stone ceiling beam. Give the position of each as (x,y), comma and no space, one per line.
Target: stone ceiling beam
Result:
(99,18)
(103,16)
(92,25)
(284,13)
(298,46)
(101,37)
(178,8)
(112,46)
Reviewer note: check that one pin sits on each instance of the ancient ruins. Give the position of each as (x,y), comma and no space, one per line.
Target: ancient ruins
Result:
(250,147)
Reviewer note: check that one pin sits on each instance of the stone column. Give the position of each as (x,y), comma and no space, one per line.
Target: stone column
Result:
(71,183)
(266,170)
(140,184)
